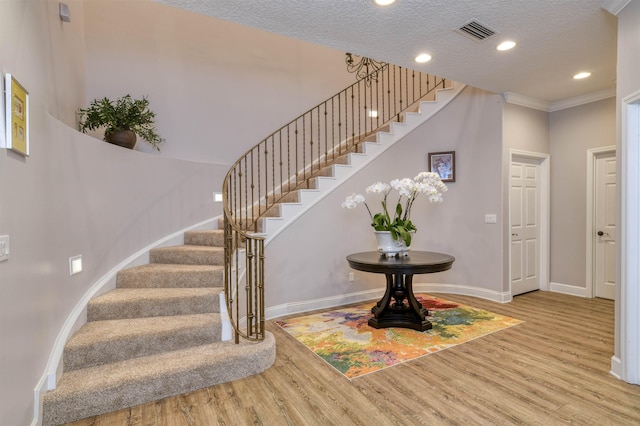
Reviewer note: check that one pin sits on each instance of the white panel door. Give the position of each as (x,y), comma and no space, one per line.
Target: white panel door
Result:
(525,234)
(605,221)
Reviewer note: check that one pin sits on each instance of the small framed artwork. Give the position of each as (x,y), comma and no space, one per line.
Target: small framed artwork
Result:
(443,163)
(16,116)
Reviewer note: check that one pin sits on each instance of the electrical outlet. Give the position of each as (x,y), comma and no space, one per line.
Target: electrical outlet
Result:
(351,276)
(4,247)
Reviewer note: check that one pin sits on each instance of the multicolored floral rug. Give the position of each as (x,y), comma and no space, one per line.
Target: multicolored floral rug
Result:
(343,338)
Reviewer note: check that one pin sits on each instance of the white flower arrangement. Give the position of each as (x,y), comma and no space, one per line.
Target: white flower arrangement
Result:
(427,183)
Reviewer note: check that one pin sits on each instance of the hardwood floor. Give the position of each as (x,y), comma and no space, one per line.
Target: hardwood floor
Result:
(552,369)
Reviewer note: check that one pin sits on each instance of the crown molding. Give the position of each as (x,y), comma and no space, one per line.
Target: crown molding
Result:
(583,99)
(526,101)
(615,6)
(529,102)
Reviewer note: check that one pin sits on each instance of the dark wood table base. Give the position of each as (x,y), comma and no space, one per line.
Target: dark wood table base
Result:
(392,310)
(396,313)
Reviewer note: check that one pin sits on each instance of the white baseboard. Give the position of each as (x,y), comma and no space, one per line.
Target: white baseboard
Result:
(463,290)
(616,368)
(363,296)
(322,303)
(568,289)
(77,318)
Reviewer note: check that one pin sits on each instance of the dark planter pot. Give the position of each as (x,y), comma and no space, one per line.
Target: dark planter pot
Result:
(124,138)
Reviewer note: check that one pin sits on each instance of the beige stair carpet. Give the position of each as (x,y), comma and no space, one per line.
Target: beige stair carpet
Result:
(157,334)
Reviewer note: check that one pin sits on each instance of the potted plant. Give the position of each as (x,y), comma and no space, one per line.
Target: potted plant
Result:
(394,232)
(122,119)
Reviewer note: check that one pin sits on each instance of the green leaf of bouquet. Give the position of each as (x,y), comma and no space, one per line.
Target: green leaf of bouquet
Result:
(405,235)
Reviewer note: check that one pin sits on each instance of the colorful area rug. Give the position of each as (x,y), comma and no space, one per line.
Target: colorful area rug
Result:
(343,338)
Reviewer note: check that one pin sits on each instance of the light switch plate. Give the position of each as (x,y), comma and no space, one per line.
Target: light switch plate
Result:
(4,247)
(490,218)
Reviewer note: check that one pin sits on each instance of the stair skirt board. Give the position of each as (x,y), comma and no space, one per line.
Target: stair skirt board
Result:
(77,317)
(384,140)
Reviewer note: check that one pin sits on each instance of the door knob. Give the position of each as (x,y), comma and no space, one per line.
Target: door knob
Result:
(600,233)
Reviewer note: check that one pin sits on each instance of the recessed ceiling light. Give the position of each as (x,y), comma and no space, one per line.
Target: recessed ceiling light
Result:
(506,45)
(422,58)
(582,75)
(384,2)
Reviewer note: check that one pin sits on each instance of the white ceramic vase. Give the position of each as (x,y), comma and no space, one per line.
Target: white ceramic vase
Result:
(390,247)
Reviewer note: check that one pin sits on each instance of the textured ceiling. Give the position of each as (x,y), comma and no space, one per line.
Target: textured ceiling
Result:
(556,38)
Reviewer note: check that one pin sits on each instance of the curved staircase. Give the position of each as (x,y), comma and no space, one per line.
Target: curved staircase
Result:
(156,335)
(159,333)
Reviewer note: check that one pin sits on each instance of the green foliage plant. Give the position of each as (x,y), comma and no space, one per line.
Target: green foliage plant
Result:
(124,113)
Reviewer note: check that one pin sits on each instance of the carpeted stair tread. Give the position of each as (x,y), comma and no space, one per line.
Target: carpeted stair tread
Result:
(97,390)
(152,302)
(188,255)
(213,237)
(171,275)
(102,342)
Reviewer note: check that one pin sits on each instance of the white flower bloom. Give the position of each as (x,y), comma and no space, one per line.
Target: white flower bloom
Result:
(352,201)
(398,216)
(435,198)
(423,188)
(422,177)
(377,188)
(405,186)
(429,177)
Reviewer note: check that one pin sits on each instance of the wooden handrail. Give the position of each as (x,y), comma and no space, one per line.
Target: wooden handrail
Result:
(287,160)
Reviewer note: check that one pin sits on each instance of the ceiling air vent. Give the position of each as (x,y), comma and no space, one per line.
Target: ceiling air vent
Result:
(476,31)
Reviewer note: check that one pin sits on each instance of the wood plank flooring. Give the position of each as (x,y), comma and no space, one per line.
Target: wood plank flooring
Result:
(551,370)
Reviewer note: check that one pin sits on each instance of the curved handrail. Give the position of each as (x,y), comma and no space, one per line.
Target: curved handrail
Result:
(289,159)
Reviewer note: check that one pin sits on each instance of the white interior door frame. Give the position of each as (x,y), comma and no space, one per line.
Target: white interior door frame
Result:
(545,211)
(592,156)
(628,295)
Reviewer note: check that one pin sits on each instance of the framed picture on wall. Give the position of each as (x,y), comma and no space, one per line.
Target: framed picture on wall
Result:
(16,116)
(443,163)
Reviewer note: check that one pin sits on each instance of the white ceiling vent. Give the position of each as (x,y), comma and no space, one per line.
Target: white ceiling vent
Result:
(476,30)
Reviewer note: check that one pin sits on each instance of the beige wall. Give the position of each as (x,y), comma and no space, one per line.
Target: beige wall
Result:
(523,129)
(36,211)
(218,88)
(574,131)
(566,135)
(307,260)
(78,195)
